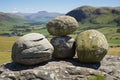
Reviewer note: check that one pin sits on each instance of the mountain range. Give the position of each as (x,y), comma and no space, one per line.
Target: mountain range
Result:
(9,19)
(41,16)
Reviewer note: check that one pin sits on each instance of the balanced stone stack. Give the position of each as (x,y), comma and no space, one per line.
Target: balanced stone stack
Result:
(32,49)
(91,46)
(64,46)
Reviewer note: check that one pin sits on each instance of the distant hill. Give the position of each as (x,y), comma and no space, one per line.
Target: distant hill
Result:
(96,15)
(41,16)
(7,19)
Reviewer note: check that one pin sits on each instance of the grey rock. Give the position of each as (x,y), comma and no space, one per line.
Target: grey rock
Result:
(64,47)
(62,25)
(69,69)
(32,49)
(91,46)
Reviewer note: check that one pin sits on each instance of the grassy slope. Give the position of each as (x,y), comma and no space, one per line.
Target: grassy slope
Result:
(8,20)
(5,48)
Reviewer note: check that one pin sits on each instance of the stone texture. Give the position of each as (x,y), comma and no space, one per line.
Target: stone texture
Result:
(91,46)
(32,49)
(68,69)
(62,25)
(64,47)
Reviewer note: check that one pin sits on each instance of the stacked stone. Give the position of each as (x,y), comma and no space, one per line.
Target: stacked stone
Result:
(60,27)
(90,45)
(31,49)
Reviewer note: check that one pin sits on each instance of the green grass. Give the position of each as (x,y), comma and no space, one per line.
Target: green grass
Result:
(5,48)
(97,77)
(104,18)
(114,51)
(6,43)
(113,43)
(5,57)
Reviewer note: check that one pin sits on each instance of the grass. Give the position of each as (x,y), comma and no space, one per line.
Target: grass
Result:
(5,57)
(114,51)
(5,48)
(7,42)
(97,77)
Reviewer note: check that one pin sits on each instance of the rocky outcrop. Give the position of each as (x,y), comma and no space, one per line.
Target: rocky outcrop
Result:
(68,69)
(32,48)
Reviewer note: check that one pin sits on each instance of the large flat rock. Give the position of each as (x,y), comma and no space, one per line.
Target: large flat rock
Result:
(67,69)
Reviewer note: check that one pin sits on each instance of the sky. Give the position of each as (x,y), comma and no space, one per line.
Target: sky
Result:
(62,6)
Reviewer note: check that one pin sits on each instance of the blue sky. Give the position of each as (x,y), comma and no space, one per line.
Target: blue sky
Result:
(63,6)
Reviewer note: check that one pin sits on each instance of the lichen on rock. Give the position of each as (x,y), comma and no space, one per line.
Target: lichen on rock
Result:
(32,49)
(64,47)
(91,46)
(62,25)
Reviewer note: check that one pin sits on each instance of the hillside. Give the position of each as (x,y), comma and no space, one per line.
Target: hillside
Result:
(12,24)
(104,19)
(7,18)
(41,16)
(7,21)
(95,15)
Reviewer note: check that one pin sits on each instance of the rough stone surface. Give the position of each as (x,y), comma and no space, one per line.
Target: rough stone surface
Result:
(62,25)
(68,69)
(32,49)
(91,46)
(64,47)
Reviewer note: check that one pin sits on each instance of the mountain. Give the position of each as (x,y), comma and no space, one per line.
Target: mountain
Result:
(7,19)
(96,14)
(41,16)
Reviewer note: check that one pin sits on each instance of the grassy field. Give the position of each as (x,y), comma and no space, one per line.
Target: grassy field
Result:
(7,42)
(5,48)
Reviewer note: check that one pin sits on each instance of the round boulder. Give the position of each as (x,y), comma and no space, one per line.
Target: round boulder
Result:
(91,46)
(64,47)
(62,25)
(32,49)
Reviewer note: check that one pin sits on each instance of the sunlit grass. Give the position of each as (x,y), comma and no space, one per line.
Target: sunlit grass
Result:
(6,43)
(97,77)
(5,48)
(114,51)
(5,57)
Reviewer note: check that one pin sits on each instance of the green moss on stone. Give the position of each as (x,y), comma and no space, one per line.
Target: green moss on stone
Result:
(91,46)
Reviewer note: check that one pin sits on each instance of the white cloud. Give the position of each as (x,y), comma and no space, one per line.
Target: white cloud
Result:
(14,10)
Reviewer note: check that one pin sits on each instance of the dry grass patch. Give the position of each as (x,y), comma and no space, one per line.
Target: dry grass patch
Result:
(6,43)
(114,51)
(5,57)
